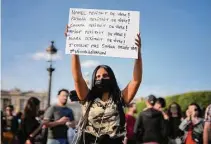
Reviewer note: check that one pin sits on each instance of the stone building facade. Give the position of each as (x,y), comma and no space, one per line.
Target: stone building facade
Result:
(18,99)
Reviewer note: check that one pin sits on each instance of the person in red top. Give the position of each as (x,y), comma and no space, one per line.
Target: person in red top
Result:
(192,125)
(130,122)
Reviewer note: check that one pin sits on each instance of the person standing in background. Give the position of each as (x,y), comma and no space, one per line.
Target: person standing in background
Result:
(3,123)
(11,126)
(29,123)
(160,104)
(192,125)
(130,122)
(207,126)
(58,118)
(175,118)
(149,127)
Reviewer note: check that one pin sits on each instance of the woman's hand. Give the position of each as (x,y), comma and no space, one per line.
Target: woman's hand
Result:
(138,42)
(28,142)
(165,116)
(188,114)
(125,140)
(66,30)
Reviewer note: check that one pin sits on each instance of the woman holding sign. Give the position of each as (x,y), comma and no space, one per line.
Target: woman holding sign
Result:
(104,118)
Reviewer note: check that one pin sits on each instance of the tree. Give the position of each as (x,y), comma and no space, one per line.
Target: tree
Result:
(203,98)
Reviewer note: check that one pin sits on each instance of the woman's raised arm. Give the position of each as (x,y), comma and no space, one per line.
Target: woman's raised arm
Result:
(130,90)
(79,82)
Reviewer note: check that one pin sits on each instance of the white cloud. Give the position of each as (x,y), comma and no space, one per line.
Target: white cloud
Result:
(45,56)
(89,63)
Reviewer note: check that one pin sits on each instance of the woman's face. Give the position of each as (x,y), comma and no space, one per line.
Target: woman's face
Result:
(8,111)
(101,74)
(173,109)
(193,110)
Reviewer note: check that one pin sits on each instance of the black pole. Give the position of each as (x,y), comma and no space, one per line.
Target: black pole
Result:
(50,50)
(50,70)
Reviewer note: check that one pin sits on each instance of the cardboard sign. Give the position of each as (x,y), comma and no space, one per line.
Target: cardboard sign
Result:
(109,33)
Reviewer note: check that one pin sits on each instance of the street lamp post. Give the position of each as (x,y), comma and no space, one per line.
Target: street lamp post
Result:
(51,50)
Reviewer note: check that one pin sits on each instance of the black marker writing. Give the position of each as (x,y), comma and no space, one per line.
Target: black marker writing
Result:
(74,38)
(122,14)
(97,13)
(97,25)
(118,41)
(99,32)
(77,25)
(134,48)
(79,45)
(99,19)
(120,27)
(123,47)
(78,19)
(109,40)
(118,34)
(112,13)
(108,46)
(92,38)
(122,20)
(113,20)
(110,34)
(88,52)
(95,46)
(76,12)
(75,31)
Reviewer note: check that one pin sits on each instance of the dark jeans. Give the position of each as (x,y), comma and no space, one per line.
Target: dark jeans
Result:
(105,139)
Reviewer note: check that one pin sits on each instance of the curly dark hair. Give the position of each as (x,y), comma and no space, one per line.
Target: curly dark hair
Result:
(179,110)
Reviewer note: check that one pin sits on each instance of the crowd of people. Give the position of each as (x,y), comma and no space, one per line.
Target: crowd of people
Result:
(153,125)
(103,118)
(159,126)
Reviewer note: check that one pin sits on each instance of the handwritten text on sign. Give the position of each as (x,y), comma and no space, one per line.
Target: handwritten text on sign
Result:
(103,33)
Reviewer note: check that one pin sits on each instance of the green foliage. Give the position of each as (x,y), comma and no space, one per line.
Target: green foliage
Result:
(203,98)
(141,106)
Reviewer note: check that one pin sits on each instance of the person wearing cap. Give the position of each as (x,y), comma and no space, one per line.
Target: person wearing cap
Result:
(149,126)
(151,99)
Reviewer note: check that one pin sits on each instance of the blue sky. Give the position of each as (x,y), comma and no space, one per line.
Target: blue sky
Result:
(176,47)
